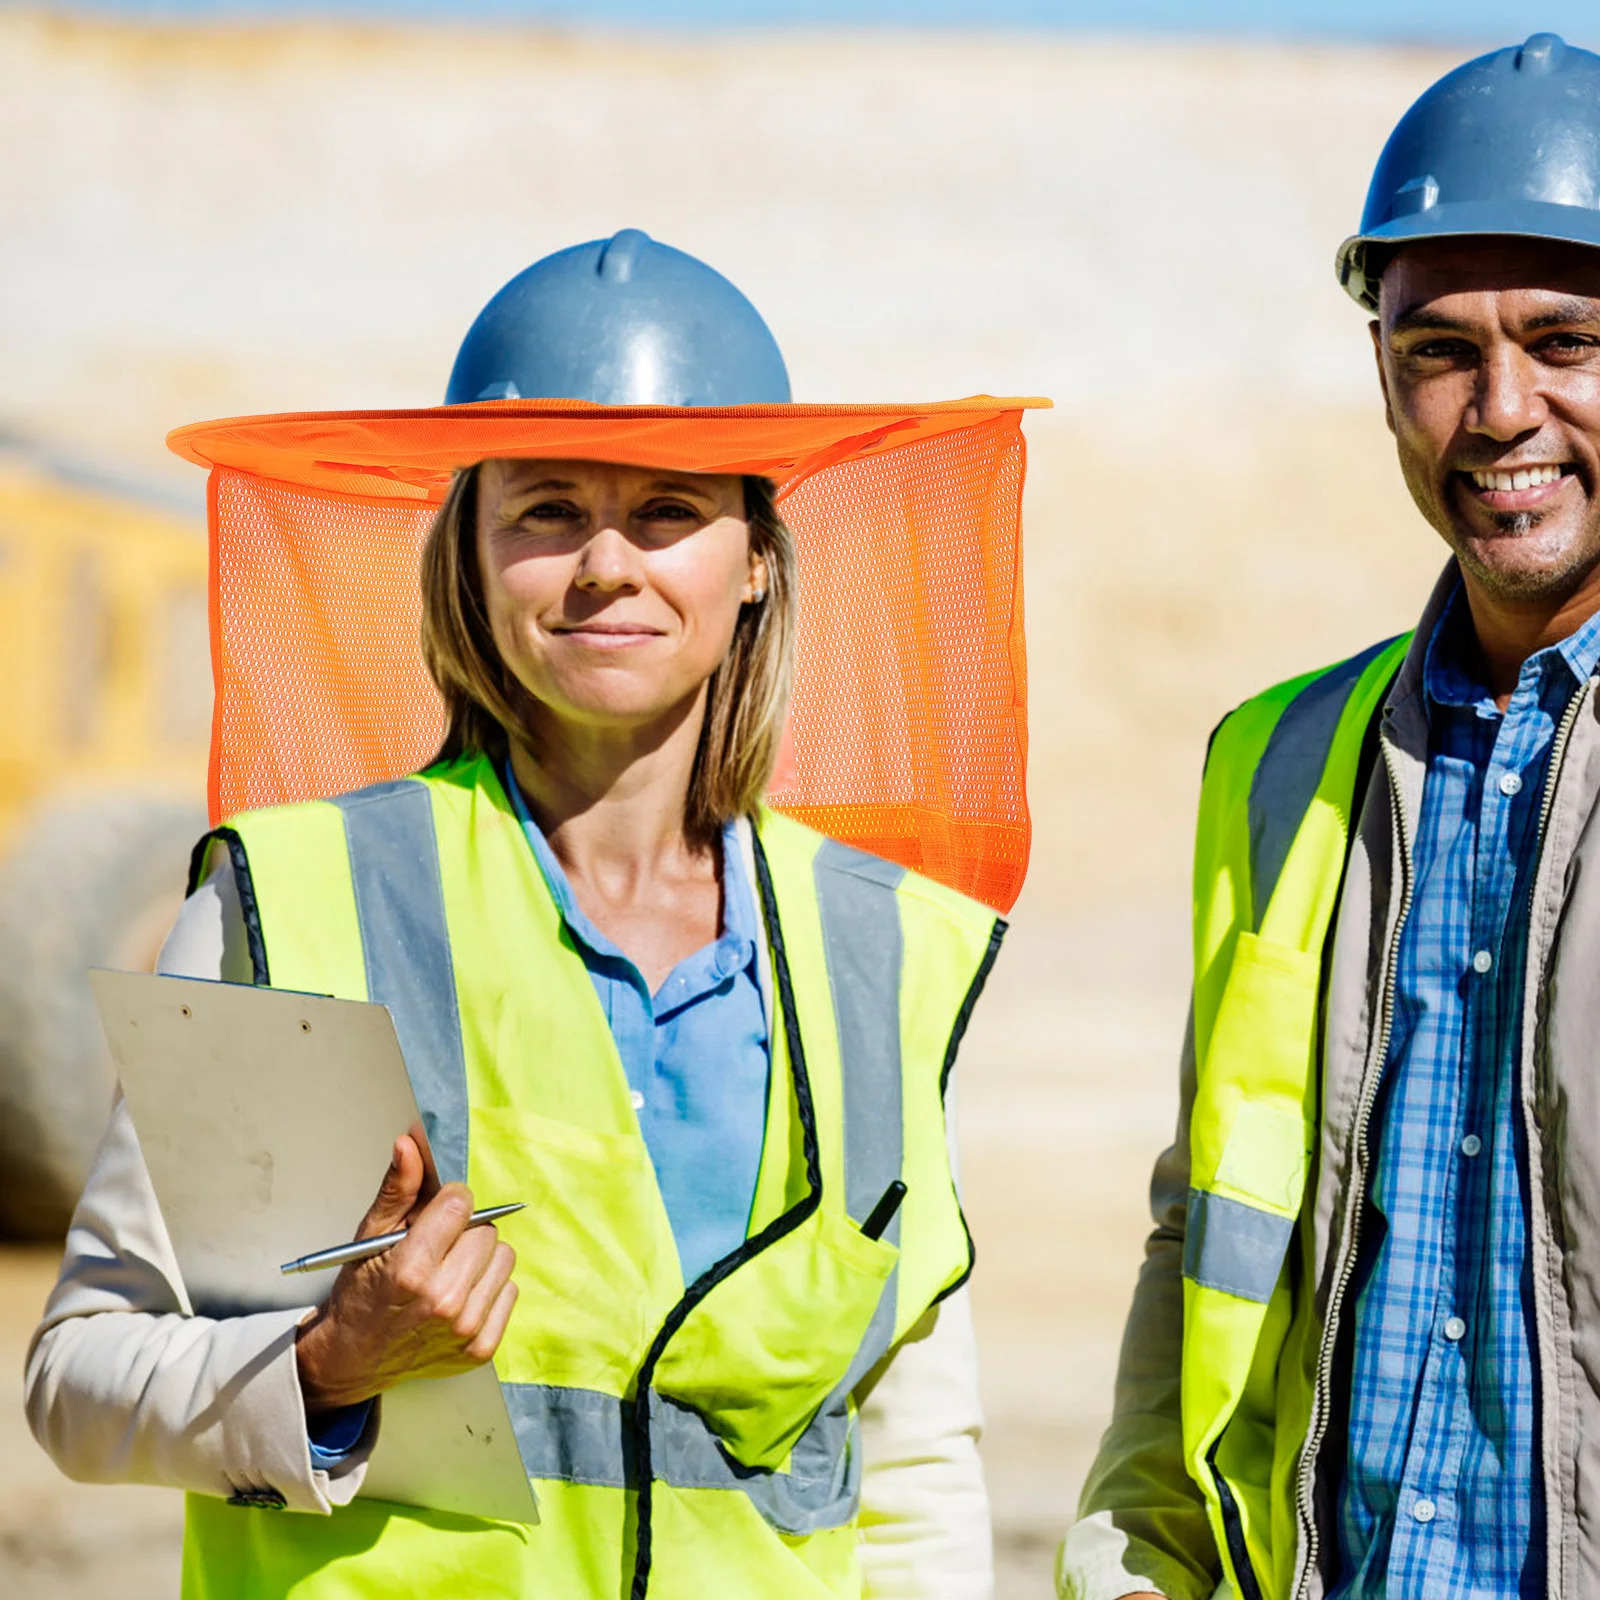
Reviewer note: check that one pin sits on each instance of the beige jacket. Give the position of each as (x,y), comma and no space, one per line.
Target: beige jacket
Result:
(124,1384)
(1142,1523)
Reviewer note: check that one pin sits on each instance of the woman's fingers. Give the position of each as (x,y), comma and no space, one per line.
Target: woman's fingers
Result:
(487,1340)
(397,1194)
(450,1283)
(431,1236)
(439,1299)
(484,1294)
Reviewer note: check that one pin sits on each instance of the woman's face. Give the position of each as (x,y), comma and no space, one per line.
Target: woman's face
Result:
(612,592)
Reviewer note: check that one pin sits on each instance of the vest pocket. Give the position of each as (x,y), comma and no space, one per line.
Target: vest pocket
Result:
(594,1280)
(765,1348)
(1249,1130)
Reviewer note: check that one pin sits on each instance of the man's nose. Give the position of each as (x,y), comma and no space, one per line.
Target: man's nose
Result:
(1507,402)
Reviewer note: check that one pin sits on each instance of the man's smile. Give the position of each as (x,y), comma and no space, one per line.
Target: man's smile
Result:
(1529,486)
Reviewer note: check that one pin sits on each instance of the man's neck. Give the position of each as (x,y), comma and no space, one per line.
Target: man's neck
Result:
(1510,630)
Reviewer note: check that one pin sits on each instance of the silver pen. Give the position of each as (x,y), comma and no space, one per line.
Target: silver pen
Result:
(340,1255)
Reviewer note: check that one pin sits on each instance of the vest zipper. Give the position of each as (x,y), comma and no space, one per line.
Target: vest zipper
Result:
(1558,751)
(1318,1425)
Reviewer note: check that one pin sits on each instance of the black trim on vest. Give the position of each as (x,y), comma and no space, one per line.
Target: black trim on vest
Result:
(975,989)
(752,1247)
(1366,766)
(1232,1525)
(245,884)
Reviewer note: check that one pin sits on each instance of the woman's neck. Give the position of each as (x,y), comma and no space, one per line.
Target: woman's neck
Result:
(613,812)
(611,802)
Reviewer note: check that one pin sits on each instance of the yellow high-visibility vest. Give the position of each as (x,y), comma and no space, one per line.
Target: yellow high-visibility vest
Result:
(1271,847)
(686,1440)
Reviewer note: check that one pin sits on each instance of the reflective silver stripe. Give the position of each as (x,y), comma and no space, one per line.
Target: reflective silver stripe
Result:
(405,942)
(584,1436)
(1291,767)
(1233,1247)
(865,952)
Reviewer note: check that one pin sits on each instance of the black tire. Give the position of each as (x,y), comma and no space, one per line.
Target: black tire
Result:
(86,883)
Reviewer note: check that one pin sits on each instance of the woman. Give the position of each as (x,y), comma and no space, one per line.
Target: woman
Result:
(706,1045)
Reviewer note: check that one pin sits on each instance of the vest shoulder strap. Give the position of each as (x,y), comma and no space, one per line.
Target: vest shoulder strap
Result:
(1285,758)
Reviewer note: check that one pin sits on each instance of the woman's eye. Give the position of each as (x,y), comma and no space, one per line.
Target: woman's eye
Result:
(669,511)
(550,511)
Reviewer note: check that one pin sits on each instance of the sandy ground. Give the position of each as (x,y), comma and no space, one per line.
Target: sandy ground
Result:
(203,225)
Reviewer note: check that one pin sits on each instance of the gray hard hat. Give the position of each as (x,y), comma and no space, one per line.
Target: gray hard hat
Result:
(623,322)
(1507,144)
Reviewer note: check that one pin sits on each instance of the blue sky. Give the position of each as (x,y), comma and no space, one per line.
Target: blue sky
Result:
(1493,20)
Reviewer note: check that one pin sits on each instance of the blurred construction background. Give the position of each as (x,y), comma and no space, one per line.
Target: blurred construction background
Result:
(205,218)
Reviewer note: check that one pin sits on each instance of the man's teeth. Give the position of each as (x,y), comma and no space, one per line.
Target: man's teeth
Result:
(1522,478)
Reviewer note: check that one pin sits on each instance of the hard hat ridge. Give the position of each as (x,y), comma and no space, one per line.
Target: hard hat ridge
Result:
(1506,144)
(623,321)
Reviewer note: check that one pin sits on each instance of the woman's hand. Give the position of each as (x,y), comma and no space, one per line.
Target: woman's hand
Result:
(435,1304)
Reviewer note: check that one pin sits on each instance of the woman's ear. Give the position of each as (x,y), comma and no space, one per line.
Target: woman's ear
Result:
(755,588)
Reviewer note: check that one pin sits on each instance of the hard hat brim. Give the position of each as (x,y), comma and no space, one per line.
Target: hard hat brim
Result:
(1518,219)
(412,455)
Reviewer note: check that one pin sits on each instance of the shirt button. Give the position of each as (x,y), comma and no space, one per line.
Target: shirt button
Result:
(1471,1145)
(636,1100)
(1455,1330)
(1510,783)
(1424,1510)
(1482,961)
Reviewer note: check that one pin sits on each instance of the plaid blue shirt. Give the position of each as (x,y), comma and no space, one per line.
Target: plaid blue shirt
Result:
(1442,1494)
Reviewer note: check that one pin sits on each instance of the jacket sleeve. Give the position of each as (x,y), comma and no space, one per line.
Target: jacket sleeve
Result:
(124,1384)
(1142,1521)
(925,1529)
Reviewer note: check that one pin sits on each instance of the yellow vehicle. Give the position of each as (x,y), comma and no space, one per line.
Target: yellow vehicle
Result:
(103,732)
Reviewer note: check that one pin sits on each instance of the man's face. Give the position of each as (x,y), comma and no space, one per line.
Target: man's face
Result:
(1489,355)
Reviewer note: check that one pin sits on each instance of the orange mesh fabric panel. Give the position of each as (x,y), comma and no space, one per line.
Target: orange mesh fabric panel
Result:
(908,725)
(909,720)
(316,617)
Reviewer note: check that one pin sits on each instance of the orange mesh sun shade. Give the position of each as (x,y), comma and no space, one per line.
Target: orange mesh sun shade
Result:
(908,731)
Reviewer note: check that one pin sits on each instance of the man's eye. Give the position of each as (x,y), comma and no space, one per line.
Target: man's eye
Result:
(1443,350)
(1562,345)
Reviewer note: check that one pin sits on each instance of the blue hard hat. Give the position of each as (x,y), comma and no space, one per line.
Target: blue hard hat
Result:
(624,322)
(1507,144)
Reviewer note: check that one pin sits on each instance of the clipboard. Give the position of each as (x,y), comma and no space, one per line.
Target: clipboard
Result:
(267,1119)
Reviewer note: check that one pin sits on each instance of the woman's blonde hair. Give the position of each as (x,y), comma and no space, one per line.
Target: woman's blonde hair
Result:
(746,700)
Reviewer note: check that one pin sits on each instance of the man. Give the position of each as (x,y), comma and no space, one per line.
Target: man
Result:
(1364,1351)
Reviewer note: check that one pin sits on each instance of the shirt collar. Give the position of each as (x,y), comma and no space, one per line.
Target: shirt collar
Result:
(1451,676)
